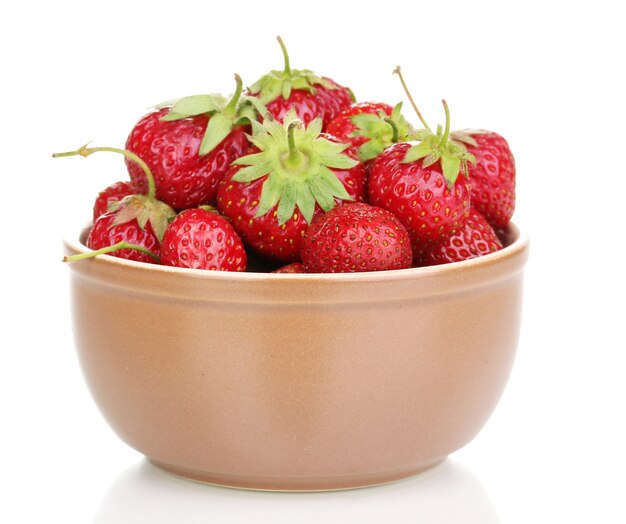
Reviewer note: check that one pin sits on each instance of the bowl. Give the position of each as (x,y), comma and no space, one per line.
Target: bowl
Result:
(297,382)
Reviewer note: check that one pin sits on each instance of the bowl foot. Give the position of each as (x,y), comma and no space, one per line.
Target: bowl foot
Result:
(295,484)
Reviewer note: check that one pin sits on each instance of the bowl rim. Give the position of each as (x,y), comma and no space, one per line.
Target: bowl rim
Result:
(518,244)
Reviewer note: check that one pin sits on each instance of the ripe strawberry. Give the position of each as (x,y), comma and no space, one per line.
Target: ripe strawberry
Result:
(190,145)
(474,239)
(202,239)
(422,198)
(294,267)
(113,193)
(123,239)
(134,226)
(271,195)
(420,184)
(370,126)
(355,237)
(492,177)
(310,95)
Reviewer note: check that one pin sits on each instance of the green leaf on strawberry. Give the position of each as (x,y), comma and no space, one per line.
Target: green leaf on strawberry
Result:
(280,83)
(145,210)
(224,114)
(218,128)
(436,147)
(195,105)
(465,137)
(298,163)
(380,130)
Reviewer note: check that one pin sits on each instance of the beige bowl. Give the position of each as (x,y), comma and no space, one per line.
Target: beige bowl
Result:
(297,382)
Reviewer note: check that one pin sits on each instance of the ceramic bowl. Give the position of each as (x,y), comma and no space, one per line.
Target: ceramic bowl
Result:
(297,382)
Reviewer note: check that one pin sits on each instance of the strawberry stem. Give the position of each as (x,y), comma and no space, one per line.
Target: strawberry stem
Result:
(394,129)
(231,108)
(446,132)
(110,249)
(294,154)
(287,69)
(85,151)
(398,72)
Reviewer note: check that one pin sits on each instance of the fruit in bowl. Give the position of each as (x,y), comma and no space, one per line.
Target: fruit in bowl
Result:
(322,311)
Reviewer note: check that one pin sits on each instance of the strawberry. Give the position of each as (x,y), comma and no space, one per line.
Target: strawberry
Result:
(190,145)
(271,195)
(202,239)
(134,226)
(294,267)
(420,184)
(310,95)
(370,126)
(355,237)
(492,177)
(420,196)
(113,193)
(474,239)
(122,239)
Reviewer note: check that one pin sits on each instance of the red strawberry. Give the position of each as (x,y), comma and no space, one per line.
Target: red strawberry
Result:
(202,239)
(294,267)
(420,184)
(420,196)
(134,226)
(189,146)
(113,193)
(271,195)
(370,126)
(356,237)
(492,177)
(129,240)
(475,239)
(310,95)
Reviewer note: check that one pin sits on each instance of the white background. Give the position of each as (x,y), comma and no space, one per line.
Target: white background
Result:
(546,75)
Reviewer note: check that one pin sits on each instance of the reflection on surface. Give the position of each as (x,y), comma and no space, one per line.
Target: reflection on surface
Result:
(447,494)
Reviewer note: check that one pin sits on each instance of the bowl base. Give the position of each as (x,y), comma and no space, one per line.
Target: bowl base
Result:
(294,484)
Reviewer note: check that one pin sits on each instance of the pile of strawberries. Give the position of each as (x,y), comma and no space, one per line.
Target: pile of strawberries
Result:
(294,172)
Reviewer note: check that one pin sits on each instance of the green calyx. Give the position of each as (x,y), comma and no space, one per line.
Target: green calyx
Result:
(143,208)
(465,137)
(381,131)
(298,163)
(224,114)
(280,83)
(436,147)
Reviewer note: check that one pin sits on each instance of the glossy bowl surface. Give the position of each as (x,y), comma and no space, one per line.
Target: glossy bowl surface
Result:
(297,382)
